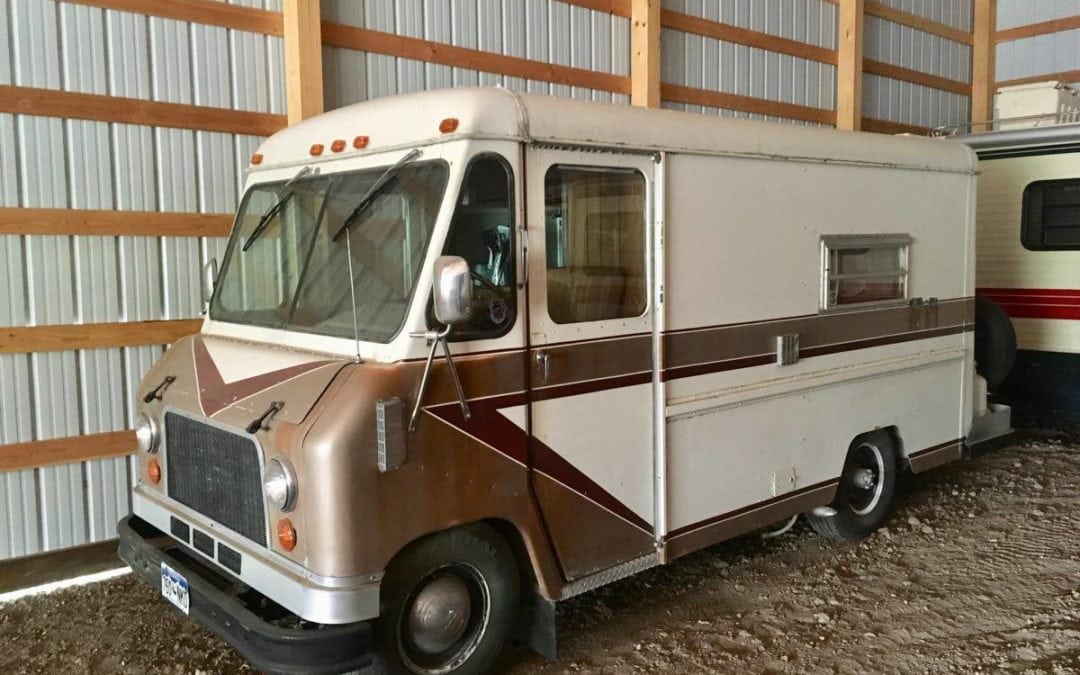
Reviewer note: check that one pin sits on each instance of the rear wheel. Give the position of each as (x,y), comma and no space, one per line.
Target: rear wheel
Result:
(449,602)
(865,492)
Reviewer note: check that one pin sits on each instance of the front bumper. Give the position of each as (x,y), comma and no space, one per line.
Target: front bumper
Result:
(263,632)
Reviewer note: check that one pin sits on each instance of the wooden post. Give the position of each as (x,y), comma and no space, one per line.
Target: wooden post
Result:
(303,59)
(849,66)
(982,64)
(645,53)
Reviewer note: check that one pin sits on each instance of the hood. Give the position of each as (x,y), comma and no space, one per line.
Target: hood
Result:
(214,374)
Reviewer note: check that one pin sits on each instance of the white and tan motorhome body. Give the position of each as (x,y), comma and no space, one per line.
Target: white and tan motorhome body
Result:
(728,402)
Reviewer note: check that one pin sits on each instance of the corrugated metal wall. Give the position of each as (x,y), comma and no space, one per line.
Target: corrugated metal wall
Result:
(1053,53)
(542,30)
(49,162)
(896,101)
(704,62)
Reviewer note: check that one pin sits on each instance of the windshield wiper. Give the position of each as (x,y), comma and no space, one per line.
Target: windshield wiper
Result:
(283,197)
(378,186)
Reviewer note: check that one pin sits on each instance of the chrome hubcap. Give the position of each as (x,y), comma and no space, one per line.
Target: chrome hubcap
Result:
(440,614)
(864,478)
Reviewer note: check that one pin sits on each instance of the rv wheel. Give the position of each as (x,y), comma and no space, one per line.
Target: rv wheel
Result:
(864,494)
(448,603)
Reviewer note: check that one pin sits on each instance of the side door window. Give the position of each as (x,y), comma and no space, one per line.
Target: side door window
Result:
(594,229)
(482,232)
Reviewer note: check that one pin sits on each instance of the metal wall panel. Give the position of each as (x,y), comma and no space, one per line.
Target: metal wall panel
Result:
(716,65)
(1013,13)
(1051,53)
(541,30)
(73,279)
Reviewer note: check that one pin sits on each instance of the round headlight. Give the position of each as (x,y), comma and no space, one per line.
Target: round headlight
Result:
(279,484)
(146,433)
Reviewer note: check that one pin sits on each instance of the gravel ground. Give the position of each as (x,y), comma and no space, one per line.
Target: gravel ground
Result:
(976,570)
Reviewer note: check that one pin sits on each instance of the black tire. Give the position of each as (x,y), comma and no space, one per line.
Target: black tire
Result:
(861,510)
(995,342)
(430,575)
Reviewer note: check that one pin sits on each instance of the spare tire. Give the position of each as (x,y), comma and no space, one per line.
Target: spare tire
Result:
(995,341)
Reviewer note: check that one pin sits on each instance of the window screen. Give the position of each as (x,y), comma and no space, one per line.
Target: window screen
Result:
(1051,215)
(858,270)
(595,237)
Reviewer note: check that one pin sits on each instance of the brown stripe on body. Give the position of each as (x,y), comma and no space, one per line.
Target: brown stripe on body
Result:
(693,537)
(936,455)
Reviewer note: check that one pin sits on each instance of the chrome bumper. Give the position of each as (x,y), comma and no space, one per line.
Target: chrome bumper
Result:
(319,599)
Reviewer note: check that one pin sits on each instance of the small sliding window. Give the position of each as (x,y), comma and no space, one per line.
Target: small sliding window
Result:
(860,270)
(1051,216)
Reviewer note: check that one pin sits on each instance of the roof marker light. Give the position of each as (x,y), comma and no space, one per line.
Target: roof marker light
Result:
(256,159)
(316,149)
(448,125)
(337,146)
(360,142)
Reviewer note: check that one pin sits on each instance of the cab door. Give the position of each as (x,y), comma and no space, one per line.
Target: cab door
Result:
(590,227)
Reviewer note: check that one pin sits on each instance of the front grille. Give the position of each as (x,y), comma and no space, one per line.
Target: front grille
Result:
(215,472)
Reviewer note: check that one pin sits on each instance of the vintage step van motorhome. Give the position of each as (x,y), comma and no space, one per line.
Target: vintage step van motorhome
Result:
(471,352)
(1027,238)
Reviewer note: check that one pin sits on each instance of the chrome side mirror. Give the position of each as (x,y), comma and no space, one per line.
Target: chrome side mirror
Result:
(452,290)
(209,278)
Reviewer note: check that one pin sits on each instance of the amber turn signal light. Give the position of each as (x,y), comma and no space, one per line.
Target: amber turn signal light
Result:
(337,146)
(153,471)
(286,534)
(448,125)
(256,159)
(360,142)
(316,149)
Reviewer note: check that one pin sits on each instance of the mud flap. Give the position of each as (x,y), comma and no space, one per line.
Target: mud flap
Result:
(535,626)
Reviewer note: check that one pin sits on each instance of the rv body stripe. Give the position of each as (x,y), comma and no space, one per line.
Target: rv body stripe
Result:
(1036,303)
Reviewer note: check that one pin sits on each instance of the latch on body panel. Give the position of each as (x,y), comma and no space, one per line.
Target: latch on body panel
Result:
(787,349)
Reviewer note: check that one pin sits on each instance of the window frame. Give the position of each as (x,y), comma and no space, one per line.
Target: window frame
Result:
(1027,238)
(429,311)
(839,242)
(646,206)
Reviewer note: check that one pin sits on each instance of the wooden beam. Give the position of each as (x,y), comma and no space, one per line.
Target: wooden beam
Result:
(883,11)
(982,65)
(616,7)
(205,12)
(1036,29)
(717,99)
(91,222)
(35,454)
(66,337)
(1067,76)
(377,42)
(849,66)
(303,59)
(883,69)
(99,108)
(645,53)
(887,127)
(743,36)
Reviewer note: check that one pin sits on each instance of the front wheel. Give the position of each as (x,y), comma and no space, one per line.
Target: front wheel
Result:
(449,602)
(865,492)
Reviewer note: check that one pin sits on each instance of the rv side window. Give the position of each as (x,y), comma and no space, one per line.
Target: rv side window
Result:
(595,235)
(857,270)
(482,232)
(1051,216)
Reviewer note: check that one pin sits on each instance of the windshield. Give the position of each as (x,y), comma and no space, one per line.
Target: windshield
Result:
(294,275)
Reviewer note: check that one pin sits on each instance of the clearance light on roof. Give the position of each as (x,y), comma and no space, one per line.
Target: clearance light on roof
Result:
(360,142)
(337,146)
(316,149)
(256,159)
(448,125)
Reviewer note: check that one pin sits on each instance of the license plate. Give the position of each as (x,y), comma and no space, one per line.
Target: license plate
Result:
(174,587)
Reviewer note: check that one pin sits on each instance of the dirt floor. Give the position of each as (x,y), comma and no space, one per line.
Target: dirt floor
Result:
(976,570)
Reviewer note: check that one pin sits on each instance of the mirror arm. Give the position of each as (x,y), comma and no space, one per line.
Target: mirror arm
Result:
(436,338)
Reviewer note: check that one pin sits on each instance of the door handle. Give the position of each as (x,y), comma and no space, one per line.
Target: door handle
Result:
(523,235)
(543,360)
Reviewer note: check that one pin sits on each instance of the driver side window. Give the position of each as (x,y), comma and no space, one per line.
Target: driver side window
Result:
(482,232)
